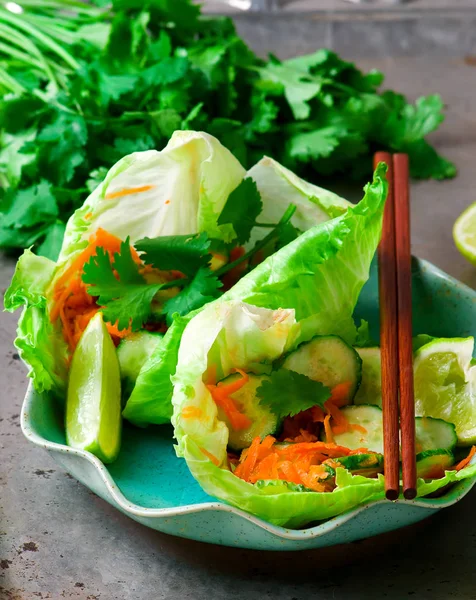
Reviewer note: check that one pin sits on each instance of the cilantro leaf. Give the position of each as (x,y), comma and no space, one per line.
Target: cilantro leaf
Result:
(314,144)
(241,209)
(168,70)
(31,206)
(184,253)
(297,86)
(126,298)
(63,144)
(288,393)
(203,288)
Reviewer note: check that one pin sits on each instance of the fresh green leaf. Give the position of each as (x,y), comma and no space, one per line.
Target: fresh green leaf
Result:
(126,298)
(203,288)
(242,209)
(314,144)
(166,71)
(298,88)
(63,146)
(31,206)
(40,344)
(288,393)
(184,253)
(51,244)
(414,122)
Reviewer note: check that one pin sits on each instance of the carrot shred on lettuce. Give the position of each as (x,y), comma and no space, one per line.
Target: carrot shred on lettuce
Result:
(71,302)
(328,429)
(299,463)
(221,394)
(465,462)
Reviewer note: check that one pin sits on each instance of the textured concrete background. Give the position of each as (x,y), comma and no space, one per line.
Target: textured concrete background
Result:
(58,540)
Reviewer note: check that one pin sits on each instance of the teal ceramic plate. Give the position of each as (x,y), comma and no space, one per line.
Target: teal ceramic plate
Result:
(152,486)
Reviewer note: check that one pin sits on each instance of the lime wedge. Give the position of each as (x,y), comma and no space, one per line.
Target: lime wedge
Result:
(464,233)
(445,384)
(93,405)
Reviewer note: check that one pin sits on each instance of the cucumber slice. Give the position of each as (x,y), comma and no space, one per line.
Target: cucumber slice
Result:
(327,359)
(132,353)
(362,464)
(279,486)
(264,422)
(370,418)
(434,434)
(432,464)
(370,390)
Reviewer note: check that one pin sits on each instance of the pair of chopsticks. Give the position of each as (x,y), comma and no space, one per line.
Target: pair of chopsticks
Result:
(394,260)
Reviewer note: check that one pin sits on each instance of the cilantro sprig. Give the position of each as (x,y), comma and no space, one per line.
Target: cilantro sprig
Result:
(122,290)
(287,393)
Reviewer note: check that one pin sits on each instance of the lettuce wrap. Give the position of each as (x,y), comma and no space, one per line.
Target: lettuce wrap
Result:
(231,335)
(176,195)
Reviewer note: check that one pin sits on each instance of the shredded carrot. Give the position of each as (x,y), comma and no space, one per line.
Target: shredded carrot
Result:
(209,455)
(192,412)
(328,429)
(88,215)
(128,192)
(288,472)
(342,425)
(340,394)
(221,394)
(243,470)
(465,462)
(266,469)
(300,463)
(71,302)
(118,333)
(304,436)
(238,420)
(167,202)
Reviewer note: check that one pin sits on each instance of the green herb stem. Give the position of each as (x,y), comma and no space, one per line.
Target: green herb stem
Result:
(261,243)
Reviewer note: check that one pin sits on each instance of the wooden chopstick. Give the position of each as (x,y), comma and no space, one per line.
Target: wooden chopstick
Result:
(404,310)
(388,336)
(395,293)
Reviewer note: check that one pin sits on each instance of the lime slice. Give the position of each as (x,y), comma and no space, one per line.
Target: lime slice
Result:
(93,406)
(445,384)
(464,233)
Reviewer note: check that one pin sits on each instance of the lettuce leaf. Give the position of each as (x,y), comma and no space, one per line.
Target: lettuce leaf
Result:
(320,275)
(430,486)
(279,187)
(39,343)
(220,335)
(180,190)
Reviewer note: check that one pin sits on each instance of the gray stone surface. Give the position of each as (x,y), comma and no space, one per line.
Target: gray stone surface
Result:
(57,540)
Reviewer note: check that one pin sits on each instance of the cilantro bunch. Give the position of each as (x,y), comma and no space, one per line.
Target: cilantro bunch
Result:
(81,85)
